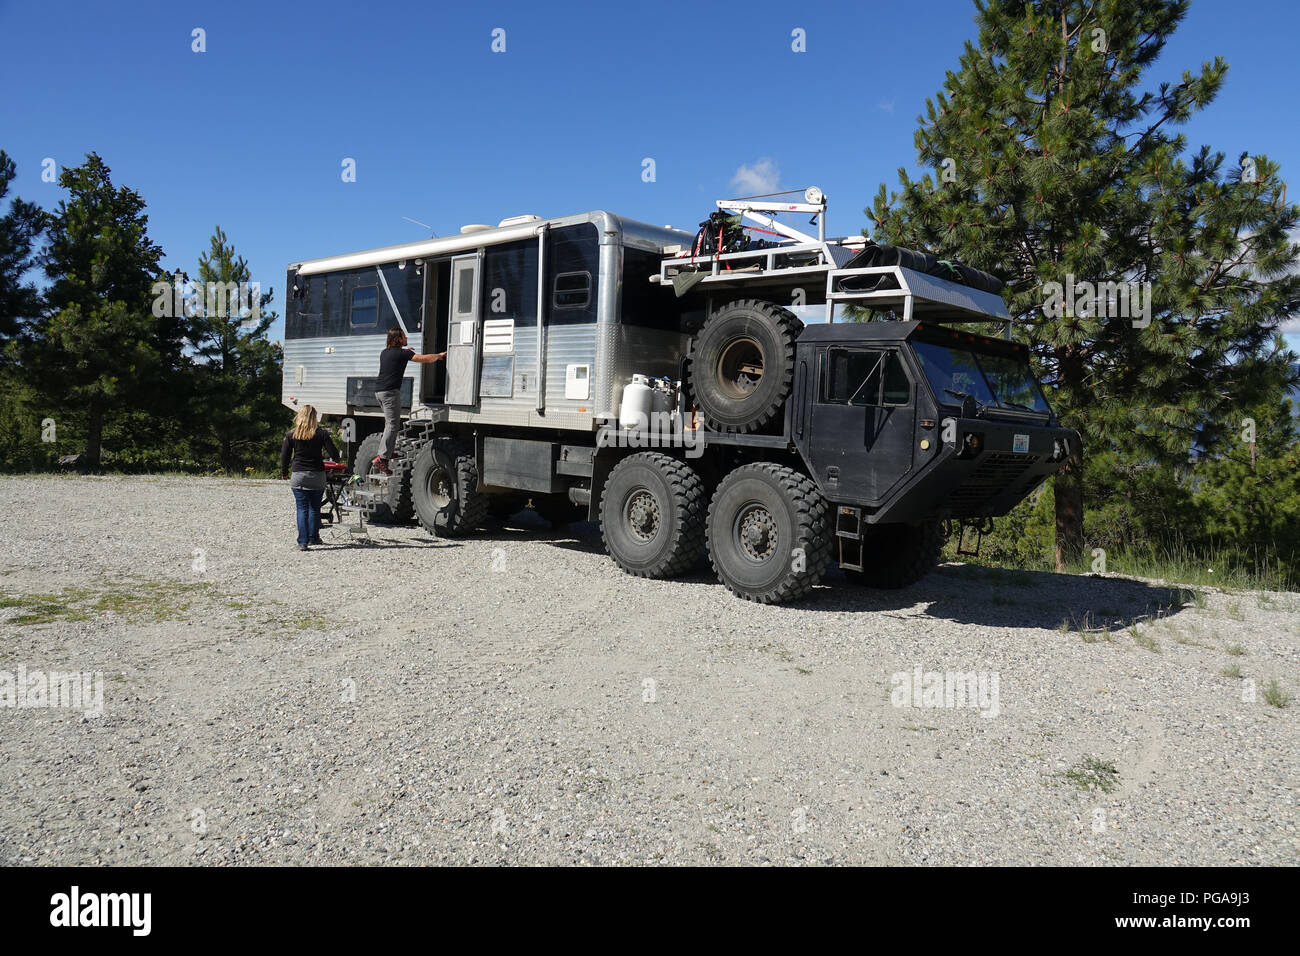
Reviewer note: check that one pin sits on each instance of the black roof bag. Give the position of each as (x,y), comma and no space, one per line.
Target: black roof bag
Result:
(875,254)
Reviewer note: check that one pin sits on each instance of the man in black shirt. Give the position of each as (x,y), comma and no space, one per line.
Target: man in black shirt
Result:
(388,389)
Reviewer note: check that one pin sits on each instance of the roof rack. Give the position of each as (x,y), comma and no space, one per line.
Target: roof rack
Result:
(800,257)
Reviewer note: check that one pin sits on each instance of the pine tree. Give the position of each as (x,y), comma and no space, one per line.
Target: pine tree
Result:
(21,228)
(99,350)
(20,231)
(237,372)
(1052,164)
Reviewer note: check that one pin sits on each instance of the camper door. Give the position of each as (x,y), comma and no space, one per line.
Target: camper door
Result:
(464,337)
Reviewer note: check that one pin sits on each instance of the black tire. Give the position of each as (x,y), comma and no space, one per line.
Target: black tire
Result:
(400,501)
(652,516)
(742,364)
(395,506)
(898,555)
(376,510)
(444,484)
(769,533)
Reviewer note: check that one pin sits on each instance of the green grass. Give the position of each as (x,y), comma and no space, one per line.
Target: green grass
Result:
(310,622)
(1236,650)
(1183,566)
(1275,696)
(1144,640)
(1177,565)
(1091,774)
(135,602)
(1234,671)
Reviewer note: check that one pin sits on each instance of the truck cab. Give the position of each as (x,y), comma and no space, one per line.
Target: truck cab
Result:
(915,421)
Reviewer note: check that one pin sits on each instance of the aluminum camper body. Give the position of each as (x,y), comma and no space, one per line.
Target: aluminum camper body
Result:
(482,297)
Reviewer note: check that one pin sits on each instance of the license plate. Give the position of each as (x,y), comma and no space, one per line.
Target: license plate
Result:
(1020,443)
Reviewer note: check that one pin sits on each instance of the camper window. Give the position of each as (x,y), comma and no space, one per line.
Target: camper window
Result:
(572,290)
(365,307)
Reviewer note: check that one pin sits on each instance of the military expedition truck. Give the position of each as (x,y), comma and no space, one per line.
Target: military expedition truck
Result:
(663,383)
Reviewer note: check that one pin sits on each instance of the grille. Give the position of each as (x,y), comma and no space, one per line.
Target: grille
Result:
(998,472)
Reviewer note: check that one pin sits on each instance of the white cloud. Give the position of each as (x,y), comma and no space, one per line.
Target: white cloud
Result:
(762,177)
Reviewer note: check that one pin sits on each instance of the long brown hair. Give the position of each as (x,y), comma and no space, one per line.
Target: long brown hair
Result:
(304,423)
(396,337)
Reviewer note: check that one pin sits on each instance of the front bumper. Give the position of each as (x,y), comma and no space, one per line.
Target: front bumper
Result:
(987,481)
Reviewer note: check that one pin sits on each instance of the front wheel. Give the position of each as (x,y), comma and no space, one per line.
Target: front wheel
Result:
(768,533)
(898,555)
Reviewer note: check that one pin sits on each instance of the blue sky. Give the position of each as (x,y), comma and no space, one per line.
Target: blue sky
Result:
(251,134)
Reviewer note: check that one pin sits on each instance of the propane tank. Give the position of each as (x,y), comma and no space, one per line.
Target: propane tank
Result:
(634,412)
(662,403)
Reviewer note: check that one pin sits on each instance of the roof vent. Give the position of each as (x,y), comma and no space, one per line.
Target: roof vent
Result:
(473,227)
(519,220)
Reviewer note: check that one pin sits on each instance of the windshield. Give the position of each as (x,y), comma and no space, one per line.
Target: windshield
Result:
(1013,383)
(999,380)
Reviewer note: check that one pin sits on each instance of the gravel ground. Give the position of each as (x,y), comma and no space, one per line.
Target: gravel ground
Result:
(515,698)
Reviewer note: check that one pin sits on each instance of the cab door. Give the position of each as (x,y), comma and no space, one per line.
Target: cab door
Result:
(464,332)
(863,421)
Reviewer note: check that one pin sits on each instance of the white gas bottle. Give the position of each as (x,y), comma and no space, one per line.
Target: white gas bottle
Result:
(634,411)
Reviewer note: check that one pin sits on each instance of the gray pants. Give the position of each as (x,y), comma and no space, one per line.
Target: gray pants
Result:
(391,403)
(308,480)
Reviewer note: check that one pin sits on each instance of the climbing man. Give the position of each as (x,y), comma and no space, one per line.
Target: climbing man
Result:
(388,389)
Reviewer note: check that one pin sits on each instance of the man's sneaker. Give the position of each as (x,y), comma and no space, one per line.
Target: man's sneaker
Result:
(380,465)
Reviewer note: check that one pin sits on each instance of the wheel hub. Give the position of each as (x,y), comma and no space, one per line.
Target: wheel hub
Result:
(642,515)
(756,533)
(740,367)
(440,488)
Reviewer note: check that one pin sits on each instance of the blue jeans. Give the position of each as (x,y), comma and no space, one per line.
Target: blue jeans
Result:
(308,500)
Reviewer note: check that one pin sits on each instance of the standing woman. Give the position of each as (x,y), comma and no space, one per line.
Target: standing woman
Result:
(305,442)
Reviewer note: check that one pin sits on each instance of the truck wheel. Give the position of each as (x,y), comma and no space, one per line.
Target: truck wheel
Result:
(394,505)
(652,516)
(897,555)
(768,533)
(444,484)
(376,509)
(742,364)
(400,503)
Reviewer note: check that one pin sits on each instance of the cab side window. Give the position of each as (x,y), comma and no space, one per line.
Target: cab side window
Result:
(862,377)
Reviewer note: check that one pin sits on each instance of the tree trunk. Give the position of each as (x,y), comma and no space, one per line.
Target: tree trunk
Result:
(94,436)
(1068,492)
(1068,484)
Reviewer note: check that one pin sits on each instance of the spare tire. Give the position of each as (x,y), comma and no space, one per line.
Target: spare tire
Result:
(742,364)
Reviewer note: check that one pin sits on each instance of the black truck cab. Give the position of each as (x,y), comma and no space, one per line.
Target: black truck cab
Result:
(913,421)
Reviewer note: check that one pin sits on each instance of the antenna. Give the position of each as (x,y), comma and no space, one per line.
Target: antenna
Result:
(424,224)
